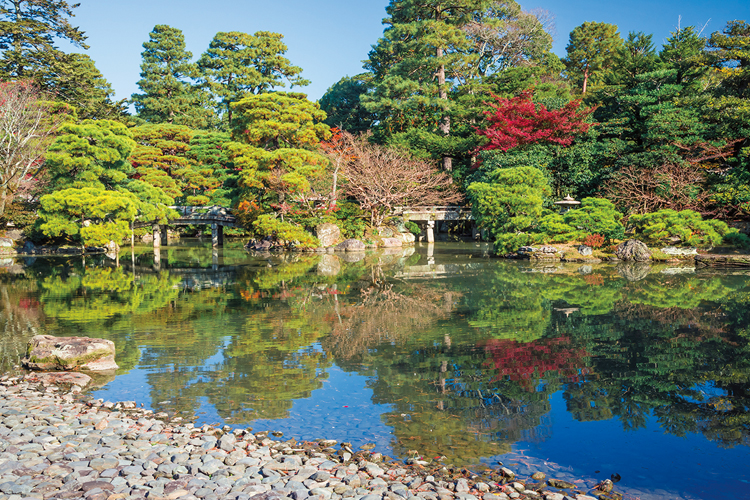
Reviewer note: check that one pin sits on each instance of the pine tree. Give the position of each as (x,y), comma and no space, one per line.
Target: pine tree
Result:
(168,95)
(591,49)
(238,63)
(28,30)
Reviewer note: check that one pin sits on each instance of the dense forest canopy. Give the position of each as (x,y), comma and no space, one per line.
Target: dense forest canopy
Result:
(464,88)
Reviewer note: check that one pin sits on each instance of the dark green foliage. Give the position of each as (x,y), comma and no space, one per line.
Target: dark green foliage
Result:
(342,105)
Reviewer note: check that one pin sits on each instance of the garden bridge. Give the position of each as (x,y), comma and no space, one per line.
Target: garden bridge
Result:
(220,217)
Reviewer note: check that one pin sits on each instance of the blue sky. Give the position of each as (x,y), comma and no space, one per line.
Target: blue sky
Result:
(330,38)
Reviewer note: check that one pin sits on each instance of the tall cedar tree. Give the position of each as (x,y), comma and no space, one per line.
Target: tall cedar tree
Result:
(431,50)
(238,63)
(591,49)
(519,121)
(28,29)
(166,73)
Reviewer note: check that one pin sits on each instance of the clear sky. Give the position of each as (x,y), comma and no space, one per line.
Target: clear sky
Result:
(330,38)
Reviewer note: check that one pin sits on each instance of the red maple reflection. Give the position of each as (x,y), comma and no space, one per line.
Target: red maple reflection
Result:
(526,362)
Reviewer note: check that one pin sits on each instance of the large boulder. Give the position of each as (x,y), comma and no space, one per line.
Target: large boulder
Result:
(408,238)
(633,250)
(328,234)
(351,245)
(45,352)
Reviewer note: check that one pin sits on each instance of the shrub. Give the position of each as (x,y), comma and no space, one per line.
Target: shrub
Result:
(594,240)
(351,219)
(269,225)
(735,238)
(413,227)
(596,216)
(510,203)
(687,226)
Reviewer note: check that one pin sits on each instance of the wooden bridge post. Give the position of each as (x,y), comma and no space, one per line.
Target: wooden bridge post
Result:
(157,235)
(217,235)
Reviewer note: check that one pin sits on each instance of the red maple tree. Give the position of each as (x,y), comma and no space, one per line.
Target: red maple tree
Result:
(518,121)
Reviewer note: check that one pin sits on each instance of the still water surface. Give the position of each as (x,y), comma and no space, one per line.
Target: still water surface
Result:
(578,371)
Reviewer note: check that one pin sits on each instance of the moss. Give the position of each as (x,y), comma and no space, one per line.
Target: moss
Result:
(67,364)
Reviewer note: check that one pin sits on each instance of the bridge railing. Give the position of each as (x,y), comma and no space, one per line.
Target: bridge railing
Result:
(187,211)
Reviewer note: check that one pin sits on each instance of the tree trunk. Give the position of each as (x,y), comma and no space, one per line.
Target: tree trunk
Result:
(585,79)
(445,120)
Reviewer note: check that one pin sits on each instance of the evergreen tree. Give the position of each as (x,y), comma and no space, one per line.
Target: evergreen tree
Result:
(76,80)
(166,73)
(591,49)
(28,29)
(342,105)
(238,63)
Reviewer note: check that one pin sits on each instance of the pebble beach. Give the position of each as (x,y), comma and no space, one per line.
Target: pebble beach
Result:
(58,443)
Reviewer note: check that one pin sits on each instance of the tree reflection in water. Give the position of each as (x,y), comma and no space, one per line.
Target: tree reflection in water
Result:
(468,363)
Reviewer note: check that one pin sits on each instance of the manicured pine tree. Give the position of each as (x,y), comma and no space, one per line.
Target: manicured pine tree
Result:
(169,96)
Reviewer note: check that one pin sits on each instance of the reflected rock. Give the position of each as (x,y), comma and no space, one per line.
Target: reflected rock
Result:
(392,242)
(62,378)
(392,251)
(351,245)
(633,250)
(45,352)
(633,271)
(585,270)
(352,257)
(329,265)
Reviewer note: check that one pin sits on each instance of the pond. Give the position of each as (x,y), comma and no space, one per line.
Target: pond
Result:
(582,372)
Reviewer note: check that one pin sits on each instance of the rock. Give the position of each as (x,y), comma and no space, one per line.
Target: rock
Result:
(539,476)
(633,250)
(679,251)
(64,378)
(350,245)
(560,484)
(585,250)
(408,238)
(633,271)
(506,472)
(386,232)
(328,234)
(605,486)
(392,242)
(329,265)
(527,250)
(6,243)
(548,249)
(45,352)
(28,247)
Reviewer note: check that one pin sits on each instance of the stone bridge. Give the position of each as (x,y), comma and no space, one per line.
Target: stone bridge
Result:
(429,215)
(215,216)
(220,217)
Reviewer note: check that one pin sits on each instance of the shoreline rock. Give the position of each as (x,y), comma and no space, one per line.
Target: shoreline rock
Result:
(71,446)
(50,353)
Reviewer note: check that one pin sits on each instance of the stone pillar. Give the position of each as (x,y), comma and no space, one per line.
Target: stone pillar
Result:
(157,235)
(215,259)
(474,231)
(430,231)
(164,235)
(217,235)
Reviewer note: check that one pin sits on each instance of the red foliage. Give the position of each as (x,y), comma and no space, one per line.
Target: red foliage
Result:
(524,362)
(594,240)
(519,121)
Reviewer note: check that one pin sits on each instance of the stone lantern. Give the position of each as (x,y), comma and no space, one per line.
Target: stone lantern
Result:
(566,204)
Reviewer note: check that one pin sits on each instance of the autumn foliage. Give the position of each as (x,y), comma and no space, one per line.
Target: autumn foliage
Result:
(519,121)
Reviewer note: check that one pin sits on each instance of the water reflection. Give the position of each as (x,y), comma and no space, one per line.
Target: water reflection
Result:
(466,352)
